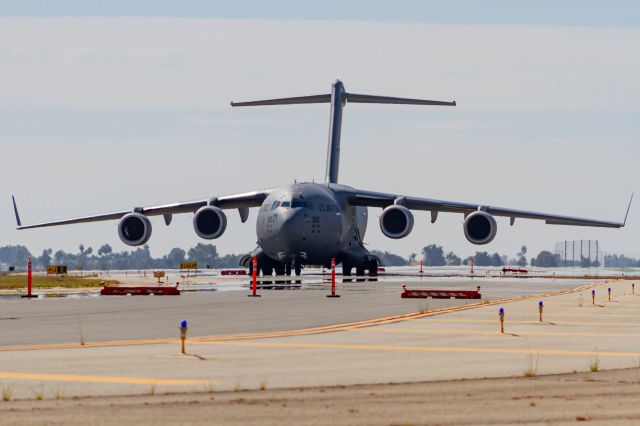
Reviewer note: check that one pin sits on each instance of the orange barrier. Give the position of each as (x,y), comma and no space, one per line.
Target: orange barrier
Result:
(233,272)
(440,294)
(139,291)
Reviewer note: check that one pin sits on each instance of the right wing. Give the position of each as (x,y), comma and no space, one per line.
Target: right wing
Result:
(242,202)
(379,199)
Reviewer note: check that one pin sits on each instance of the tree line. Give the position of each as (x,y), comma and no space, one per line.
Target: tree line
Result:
(104,258)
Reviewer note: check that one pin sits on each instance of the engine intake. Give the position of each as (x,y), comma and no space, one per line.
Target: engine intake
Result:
(396,221)
(134,229)
(480,228)
(209,222)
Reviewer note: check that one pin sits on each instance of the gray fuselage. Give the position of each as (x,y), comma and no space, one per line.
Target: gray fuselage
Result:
(311,223)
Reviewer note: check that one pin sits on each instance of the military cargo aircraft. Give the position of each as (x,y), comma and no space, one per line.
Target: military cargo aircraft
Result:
(311,223)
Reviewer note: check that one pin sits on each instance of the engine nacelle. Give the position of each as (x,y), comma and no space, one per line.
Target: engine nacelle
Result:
(134,229)
(480,228)
(396,221)
(209,222)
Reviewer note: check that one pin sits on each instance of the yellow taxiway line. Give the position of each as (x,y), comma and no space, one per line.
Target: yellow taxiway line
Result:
(100,379)
(299,332)
(485,332)
(558,323)
(421,348)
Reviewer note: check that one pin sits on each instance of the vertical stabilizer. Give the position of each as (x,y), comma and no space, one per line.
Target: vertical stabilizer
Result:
(335,131)
(338,99)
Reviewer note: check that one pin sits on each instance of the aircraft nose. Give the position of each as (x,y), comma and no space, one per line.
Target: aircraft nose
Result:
(292,223)
(292,232)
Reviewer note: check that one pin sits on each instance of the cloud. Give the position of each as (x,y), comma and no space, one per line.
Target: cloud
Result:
(184,62)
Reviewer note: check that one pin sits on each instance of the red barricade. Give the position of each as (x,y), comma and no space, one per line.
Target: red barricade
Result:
(233,272)
(139,291)
(515,270)
(440,294)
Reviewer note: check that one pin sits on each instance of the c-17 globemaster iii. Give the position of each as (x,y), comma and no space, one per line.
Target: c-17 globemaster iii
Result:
(311,223)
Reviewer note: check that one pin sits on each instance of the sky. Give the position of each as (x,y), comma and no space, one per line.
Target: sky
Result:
(110,105)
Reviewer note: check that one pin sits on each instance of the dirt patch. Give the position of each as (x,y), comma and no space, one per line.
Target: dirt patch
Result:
(612,398)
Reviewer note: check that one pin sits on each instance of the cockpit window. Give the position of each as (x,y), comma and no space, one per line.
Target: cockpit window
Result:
(296,202)
(275,205)
(285,204)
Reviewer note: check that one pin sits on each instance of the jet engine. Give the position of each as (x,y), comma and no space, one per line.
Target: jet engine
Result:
(209,222)
(396,221)
(134,229)
(480,228)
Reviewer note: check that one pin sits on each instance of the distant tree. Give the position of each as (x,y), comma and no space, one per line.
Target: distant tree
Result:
(81,248)
(88,252)
(204,254)
(15,256)
(412,258)
(45,259)
(522,258)
(546,259)
(59,257)
(105,250)
(389,259)
(228,261)
(452,259)
(433,255)
(175,257)
(482,258)
(141,257)
(620,261)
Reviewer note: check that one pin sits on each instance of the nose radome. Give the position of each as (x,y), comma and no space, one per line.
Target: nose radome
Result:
(293,222)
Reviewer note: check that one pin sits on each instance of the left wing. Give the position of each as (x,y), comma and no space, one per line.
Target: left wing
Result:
(379,199)
(242,202)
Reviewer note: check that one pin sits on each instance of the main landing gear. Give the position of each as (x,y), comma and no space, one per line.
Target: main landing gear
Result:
(369,265)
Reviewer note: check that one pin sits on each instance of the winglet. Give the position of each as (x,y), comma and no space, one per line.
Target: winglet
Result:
(15,210)
(628,208)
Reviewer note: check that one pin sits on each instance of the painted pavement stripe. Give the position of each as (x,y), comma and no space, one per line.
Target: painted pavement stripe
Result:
(299,332)
(99,379)
(487,332)
(557,323)
(421,348)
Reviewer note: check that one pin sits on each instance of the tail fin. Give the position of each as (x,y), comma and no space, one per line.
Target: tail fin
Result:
(338,98)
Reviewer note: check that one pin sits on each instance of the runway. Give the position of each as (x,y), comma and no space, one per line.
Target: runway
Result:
(446,341)
(94,319)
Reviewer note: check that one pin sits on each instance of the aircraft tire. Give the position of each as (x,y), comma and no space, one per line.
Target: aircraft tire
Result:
(373,268)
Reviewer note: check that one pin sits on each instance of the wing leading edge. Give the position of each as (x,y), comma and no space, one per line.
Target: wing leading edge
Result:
(378,199)
(242,202)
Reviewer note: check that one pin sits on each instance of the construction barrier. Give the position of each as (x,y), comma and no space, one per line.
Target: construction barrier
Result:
(515,270)
(440,294)
(140,291)
(233,272)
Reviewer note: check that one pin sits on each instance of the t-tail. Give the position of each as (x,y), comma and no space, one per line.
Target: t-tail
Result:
(338,98)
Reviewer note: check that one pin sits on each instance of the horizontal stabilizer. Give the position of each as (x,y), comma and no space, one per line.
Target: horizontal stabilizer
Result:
(348,97)
(314,99)
(371,99)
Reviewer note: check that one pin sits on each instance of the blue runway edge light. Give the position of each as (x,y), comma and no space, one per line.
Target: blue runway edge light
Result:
(183,324)
(540,303)
(501,311)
